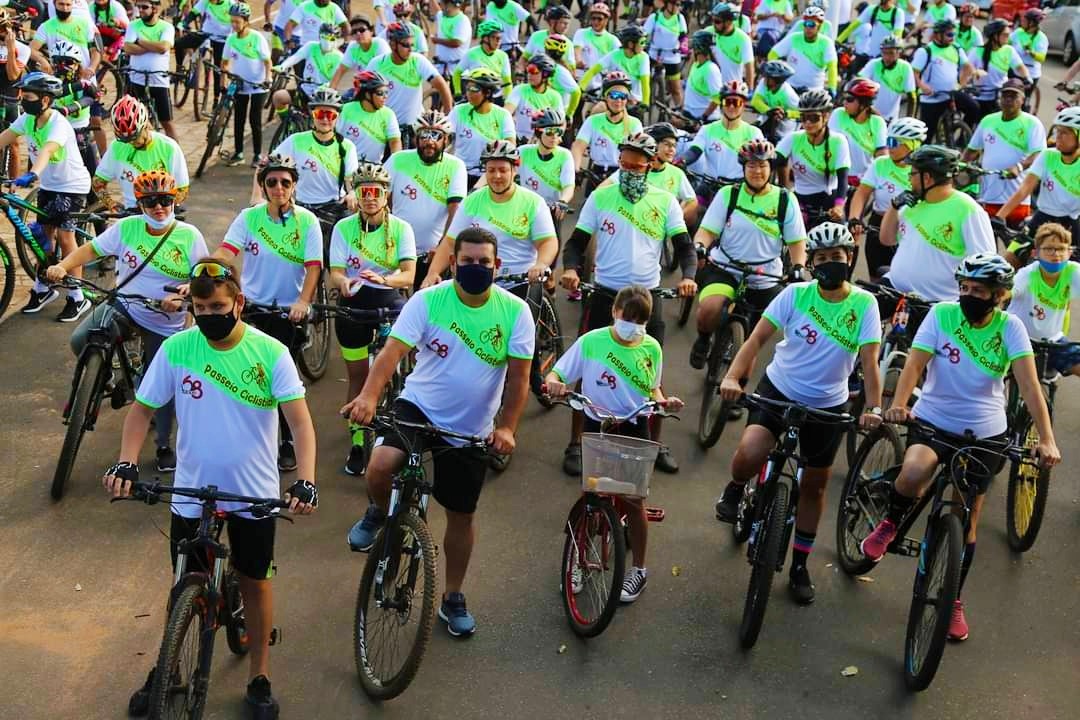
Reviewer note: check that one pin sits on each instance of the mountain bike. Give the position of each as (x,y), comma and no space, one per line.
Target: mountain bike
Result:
(219,119)
(953,130)
(594,552)
(195,75)
(767,508)
(110,81)
(549,337)
(296,118)
(8,279)
(203,598)
(394,617)
(136,85)
(312,352)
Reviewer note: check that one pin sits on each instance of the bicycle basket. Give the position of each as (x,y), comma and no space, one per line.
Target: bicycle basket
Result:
(616,464)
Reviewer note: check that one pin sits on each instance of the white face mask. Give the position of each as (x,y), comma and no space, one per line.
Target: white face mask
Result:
(159,224)
(628,331)
(326,45)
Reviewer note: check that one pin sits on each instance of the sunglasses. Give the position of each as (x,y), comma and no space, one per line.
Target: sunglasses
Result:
(532,69)
(273,182)
(381,92)
(554,131)
(324,114)
(473,89)
(618,95)
(430,135)
(358,30)
(407,44)
(157,200)
(809,23)
(950,35)
(215,270)
(811,117)
(371,192)
(850,98)
(733,102)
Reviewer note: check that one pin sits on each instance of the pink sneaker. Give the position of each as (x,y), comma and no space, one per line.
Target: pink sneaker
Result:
(958,627)
(876,543)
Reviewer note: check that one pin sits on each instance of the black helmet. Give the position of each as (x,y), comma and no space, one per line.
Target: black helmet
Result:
(777,69)
(544,64)
(938,160)
(890,41)
(815,100)
(661,131)
(631,34)
(556,12)
(548,117)
(944,26)
(702,41)
(42,84)
(994,27)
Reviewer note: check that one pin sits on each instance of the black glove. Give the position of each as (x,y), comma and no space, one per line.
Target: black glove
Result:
(906,198)
(305,492)
(125,471)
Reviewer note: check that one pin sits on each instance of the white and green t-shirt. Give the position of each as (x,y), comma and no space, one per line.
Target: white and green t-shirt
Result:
(368,131)
(703,85)
(65,172)
(968,38)
(276,254)
(864,138)
(456,342)
(965,387)
(617,377)
(130,243)
(473,130)
(939,67)
(809,164)
(1002,60)
(821,342)
(319,166)
(357,57)
(810,60)
(773,7)
(753,234)
(382,249)
(888,180)
(526,101)
(882,24)
(1028,45)
(226,411)
(894,84)
(719,146)
(636,66)
(594,46)
(784,97)
(497,62)
(309,17)
(420,193)
(732,53)
(405,82)
(519,225)
(154,65)
(318,66)
(630,236)
(215,18)
(509,16)
(1004,143)
(535,46)
(457,27)
(602,136)
(123,162)
(1042,307)
(1059,193)
(663,32)
(247,58)
(77,30)
(549,176)
(932,239)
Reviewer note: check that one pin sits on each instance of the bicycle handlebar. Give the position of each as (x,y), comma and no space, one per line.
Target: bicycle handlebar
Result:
(520,278)
(768,404)
(967,440)
(910,297)
(390,421)
(578,402)
(660,293)
(150,493)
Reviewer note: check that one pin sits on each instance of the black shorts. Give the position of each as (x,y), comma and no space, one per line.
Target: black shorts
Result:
(753,301)
(353,335)
(597,314)
(818,441)
(458,473)
(877,255)
(159,95)
(59,207)
(280,328)
(251,544)
(983,464)
(672,70)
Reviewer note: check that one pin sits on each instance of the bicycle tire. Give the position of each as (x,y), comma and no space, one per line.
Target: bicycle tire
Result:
(78,418)
(686,305)
(183,81)
(235,624)
(1025,501)
(865,487)
(411,536)
(204,83)
(110,86)
(188,609)
(714,409)
(215,134)
(29,261)
(314,357)
(925,644)
(284,130)
(549,341)
(602,522)
(9,277)
(765,558)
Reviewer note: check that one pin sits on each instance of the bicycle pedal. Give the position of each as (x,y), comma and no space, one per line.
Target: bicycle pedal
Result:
(908,547)
(654,514)
(276,637)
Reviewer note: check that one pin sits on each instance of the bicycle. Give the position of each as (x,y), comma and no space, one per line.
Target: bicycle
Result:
(8,280)
(388,601)
(549,337)
(201,601)
(110,81)
(296,117)
(219,119)
(313,354)
(940,551)
(953,130)
(143,94)
(766,513)
(195,75)
(594,552)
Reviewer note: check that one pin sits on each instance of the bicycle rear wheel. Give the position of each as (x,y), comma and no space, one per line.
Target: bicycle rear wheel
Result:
(8,279)
(865,497)
(184,79)
(203,87)
(80,416)
(314,356)
(686,305)
(1025,503)
(180,683)
(110,85)
(714,409)
(394,618)
(215,134)
(235,624)
(764,559)
(937,584)
(593,565)
(27,257)
(549,341)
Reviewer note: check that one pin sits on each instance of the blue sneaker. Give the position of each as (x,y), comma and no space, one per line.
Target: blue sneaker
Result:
(362,535)
(458,620)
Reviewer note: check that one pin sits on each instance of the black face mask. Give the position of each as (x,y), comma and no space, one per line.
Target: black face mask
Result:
(474,278)
(32,107)
(62,15)
(831,275)
(976,309)
(216,327)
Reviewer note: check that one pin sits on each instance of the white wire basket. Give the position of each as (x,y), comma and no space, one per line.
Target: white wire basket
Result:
(616,464)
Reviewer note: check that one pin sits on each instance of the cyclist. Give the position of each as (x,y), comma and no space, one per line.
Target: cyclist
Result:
(509,15)
(320,60)
(861,124)
(881,20)
(815,161)
(714,151)
(624,366)
(75,99)
(487,55)
(367,122)
(137,149)
(434,393)
(1057,175)
(153,249)
(557,17)
(668,40)
(1032,44)
(664,174)
(631,60)
(630,223)
(537,94)
(247,54)
(453,35)
(111,19)
(361,50)
(895,79)
(941,68)
(55,163)
(556,47)
(213,19)
(811,54)
(1007,141)
(407,71)
(705,80)
(227,440)
(77,29)
(771,16)
(14,56)
(968,36)
(828,324)
(941,228)
(372,258)
(479,121)
(310,16)
(602,133)
(966,349)
(776,99)
(546,168)
(147,42)
(993,63)
(593,42)
(427,185)
(403,11)
(886,178)
(731,49)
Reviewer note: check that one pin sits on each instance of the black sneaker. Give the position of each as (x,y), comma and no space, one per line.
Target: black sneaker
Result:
(286,457)
(699,352)
(234,160)
(498,461)
(571,462)
(262,703)
(727,507)
(73,310)
(802,590)
(665,462)
(139,704)
(356,464)
(39,300)
(166,459)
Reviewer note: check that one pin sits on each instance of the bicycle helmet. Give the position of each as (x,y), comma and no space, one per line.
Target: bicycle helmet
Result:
(556,12)
(829,235)
(277,161)
(723,11)
(702,41)
(488,27)
(403,9)
(1035,15)
(943,26)
(757,149)
(1069,117)
(487,79)
(642,142)
(735,88)
(325,96)
(240,9)
(556,43)
(64,49)
(777,69)
(614,79)
(812,100)
(988,268)
(398,31)
(814,13)
(42,84)
(938,160)
(862,88)
(542,63)
(501,150)
(823,4)
(328,31)
(968,9)
(600,8)
(631,34)
(154,182)
(995,27)
(368,81)
(129,117)
(661,131)
(890,42)
(548,117)
(434,120)
(908,128)
(370,173)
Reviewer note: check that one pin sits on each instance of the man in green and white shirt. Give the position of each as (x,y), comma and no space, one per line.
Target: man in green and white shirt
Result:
(732,49)
(148,42)
(367,122)
(811,53)
(705,80)
(77,29)
(361,50)
(714,151)
(531,97)
(592,43)
(895,78)
(602,133)
(453,35)
(479,121)
(486,54)
(127,158)
(406,72)
(509,14)
(311,15)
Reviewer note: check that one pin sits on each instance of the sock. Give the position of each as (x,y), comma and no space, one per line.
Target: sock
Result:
(76,295)
(357,432)
(801,547)
(40,287)
(898,506)
(965,565)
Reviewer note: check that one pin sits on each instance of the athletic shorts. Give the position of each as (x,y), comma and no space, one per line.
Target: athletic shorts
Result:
(672,71)
(818,441)
(597,314)
(353,335)
(982,466)
(251,544)
(59,207)
(715,280)
(1064,358)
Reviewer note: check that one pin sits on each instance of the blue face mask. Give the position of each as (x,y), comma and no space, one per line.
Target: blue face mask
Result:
(1052,267)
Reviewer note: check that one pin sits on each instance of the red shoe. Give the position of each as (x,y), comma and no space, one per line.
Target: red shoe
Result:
(958,627)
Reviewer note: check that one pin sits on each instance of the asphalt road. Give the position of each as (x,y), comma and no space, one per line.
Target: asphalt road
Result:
(83,583)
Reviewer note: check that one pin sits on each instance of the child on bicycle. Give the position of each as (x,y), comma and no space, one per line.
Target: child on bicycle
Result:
(1043,292)
(621,367)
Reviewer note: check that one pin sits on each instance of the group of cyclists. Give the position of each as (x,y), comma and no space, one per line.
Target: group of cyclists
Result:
(446,166)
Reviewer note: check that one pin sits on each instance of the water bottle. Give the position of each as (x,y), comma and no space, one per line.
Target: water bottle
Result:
(39,235)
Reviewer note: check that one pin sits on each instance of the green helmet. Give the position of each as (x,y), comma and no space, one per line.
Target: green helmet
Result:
(487,27)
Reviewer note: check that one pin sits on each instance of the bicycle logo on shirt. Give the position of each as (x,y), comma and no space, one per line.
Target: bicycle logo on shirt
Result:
(493,336)
(438,348)
(994,344)
(851,320)
(645,364)
(255,374)
(191,387)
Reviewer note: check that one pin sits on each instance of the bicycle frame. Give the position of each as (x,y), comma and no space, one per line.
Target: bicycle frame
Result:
(11,204)
(104,339)
(778,461)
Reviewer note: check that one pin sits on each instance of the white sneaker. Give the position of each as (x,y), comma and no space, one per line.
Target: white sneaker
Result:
(633,584)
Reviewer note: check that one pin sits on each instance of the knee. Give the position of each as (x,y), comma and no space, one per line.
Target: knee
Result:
(281,98)
(458,522)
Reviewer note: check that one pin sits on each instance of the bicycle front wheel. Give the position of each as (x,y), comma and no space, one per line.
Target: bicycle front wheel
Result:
(180,682)
(865,497)
(8,277)
(1025,503)
(111,87)
(314,356)
(593,565)
(183,81)
(937,585)
(714,409)
(549,341)
(215,134)
(28,257)
(235,624)
(80,416)
(394,617)
(765,557)
(203,88)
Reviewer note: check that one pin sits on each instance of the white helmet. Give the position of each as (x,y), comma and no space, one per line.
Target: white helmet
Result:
(829,235)
(823,4)
(1069,117)
(908,128)
(814,13)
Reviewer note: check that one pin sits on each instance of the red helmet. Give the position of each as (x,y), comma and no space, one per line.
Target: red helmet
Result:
(398,31)
(1035,15)
(757,149)
(862,88)
(129,117)
(599,8)
(368,81)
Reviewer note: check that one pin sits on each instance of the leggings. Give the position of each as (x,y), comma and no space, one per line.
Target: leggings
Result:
(251,106)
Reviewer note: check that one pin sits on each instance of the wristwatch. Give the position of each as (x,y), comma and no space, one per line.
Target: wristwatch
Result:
(876,410)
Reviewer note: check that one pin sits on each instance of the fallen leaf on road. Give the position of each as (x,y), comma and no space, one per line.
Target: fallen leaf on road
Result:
(850,671)
(78,587)
(865,578)
(562,648)
(676,571)
(828,564)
